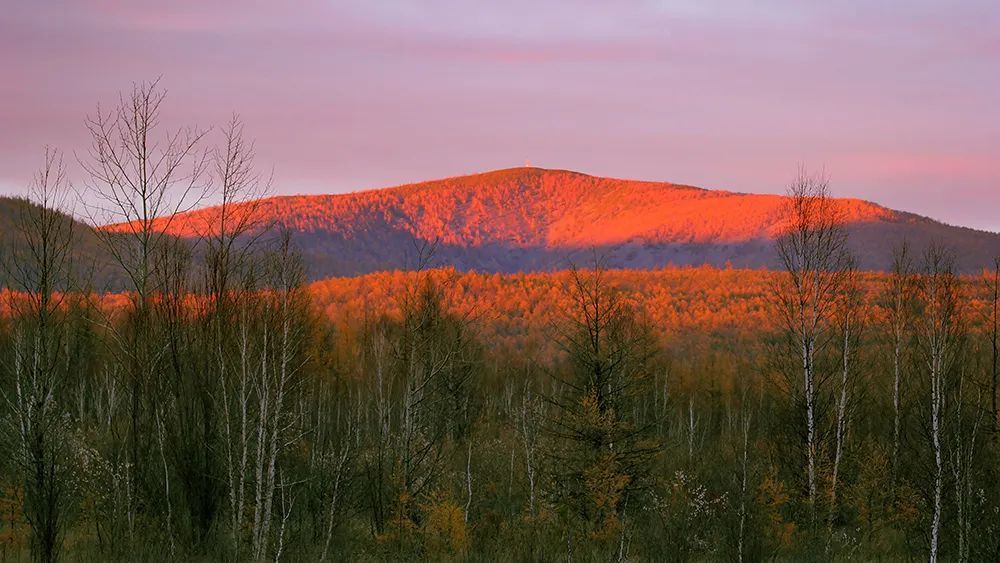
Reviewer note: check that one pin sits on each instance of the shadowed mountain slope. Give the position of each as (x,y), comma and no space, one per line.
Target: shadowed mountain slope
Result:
(532,219)
(88,262)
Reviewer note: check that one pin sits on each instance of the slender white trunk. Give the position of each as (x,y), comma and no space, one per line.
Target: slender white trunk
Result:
(335,499)
(263,394)
(807,347)
(962,458)
(271,431)
(235,427)
(691,430)
(841,421)
(743,487)
(528,436)
(623,544)
(166,480)
(896,368)
(958,455)
(936,400)
(468,481)
(244,404)
(286,511)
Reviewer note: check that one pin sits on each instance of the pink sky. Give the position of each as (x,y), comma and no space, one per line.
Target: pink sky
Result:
(897,100)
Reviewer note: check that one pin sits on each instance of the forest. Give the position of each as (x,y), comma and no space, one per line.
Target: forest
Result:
(221,408)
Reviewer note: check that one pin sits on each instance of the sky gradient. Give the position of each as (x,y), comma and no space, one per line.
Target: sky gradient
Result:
(896,100)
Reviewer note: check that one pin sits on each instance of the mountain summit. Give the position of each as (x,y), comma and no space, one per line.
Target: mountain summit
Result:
(530,219)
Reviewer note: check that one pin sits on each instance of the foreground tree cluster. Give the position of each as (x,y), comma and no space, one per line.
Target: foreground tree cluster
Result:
(217,414)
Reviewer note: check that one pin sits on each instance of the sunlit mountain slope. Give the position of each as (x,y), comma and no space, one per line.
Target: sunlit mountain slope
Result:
(530,219)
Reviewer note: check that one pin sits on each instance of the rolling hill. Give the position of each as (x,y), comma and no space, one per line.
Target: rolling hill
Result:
(533,219)
(88,262)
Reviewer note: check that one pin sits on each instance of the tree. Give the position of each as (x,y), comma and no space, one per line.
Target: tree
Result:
(939,332)
(850,318)
(419,366)
(39,363)
(278,385)
(234,229)
(603,450)
(899,296)
(993,286)
(142,178)
(231,287)
(813,252)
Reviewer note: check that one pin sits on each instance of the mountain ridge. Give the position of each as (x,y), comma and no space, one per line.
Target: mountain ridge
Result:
(528,219)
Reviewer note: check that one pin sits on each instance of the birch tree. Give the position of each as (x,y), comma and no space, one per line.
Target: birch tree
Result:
(939,332)
(529,420)
(232,282)
(141,177)
(38,365)
(235,396)
(993,287)
(276,386)
(899,295)
(812,250)
(850,318)
(966,420)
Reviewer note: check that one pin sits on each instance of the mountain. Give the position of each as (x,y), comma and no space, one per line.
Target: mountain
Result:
(533,219)
(88,261)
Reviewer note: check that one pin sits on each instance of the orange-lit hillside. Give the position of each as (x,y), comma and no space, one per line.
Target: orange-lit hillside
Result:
(535,207)
(529,219)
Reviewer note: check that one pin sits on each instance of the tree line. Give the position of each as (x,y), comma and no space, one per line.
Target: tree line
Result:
(217,413)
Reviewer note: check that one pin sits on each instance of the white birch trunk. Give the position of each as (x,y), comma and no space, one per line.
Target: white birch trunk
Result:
(743,488)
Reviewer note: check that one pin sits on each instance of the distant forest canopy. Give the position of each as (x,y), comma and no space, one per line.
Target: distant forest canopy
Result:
(218,406)
(517,311)
(704,302)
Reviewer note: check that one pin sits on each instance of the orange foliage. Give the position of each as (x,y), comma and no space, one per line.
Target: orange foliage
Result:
(518,310)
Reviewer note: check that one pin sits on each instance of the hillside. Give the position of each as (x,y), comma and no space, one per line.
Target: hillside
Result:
(88,260)
(532,219)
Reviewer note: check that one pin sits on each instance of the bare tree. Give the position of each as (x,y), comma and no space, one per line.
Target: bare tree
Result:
(235,395)
(529,421)
(899,297)
(813,252)
(231,233)
(993,286)
(423,361)
(232,284)
(742,429)
(850,317)
(377,363)
(39,363)
(142,178)
(341,461)
(939,332)
(965,432)
(277,385)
